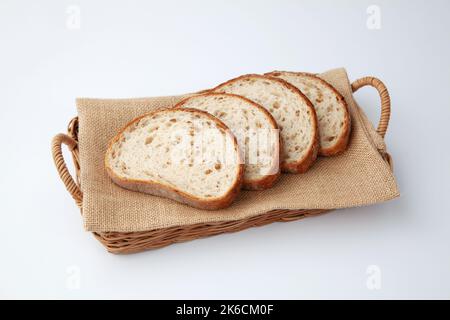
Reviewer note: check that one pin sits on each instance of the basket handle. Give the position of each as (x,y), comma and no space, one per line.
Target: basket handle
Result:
(61,166)
(385,100)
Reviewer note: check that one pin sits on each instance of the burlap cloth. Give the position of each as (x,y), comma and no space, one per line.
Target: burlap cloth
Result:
(360,176)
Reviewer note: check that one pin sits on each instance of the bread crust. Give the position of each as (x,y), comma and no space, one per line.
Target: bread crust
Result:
(267,181)
(166,191)
(343,139)
(301,165)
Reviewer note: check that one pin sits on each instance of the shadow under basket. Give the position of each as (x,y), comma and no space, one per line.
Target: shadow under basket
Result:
(130,242)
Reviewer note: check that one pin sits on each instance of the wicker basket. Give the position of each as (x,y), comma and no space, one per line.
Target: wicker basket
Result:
(130,242)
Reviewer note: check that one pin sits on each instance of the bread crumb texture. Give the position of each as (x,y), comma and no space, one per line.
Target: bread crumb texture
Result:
(257,135)
(291,112)
(183,149)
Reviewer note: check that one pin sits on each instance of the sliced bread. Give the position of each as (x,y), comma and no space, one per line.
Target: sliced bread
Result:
(331,109)
(292,111)
(183,154)
(256,132)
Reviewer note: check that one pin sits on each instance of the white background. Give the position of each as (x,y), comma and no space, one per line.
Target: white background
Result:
(143,48)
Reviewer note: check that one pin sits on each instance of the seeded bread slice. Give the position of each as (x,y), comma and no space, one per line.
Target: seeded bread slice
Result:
(256,132)
(183,154)
(331,109)
(292,111)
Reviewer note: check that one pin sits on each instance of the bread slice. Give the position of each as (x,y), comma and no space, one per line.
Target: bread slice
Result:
(183,154)
(292,111)
(256,132)
(331,109)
